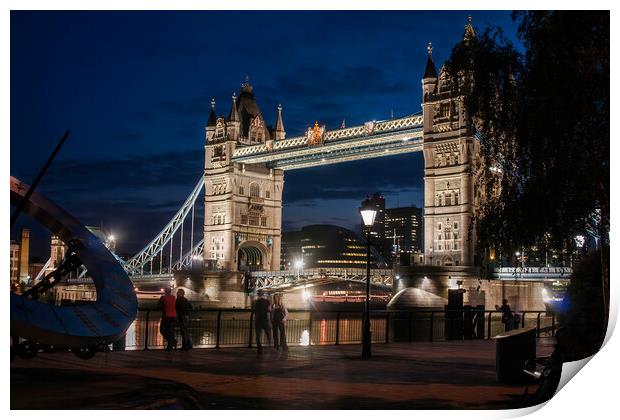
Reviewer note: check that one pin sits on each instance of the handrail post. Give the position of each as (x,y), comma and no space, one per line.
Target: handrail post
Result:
(338,328)
(217,330)
(146,332)
(489,325)
(538,325)
(387,328)
(310,330)
(432,324)
(251,324)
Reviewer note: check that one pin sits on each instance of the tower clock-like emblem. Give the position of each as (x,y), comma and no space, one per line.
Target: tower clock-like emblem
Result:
(369,128)
(315,134)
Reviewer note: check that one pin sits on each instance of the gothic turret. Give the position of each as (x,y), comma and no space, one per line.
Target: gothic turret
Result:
(429,81)
(280,133)
(210,128)
(469,33)
(233,119)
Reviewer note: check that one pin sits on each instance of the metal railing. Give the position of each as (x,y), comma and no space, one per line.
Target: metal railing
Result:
(217,328)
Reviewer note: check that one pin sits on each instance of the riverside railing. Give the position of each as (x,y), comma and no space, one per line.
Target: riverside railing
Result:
(217,328)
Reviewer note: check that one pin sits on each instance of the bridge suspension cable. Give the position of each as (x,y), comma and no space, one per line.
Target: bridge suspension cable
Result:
(187,260)
(135,265)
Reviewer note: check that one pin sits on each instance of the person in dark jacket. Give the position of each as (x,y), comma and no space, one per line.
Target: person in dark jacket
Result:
(183,307)
(167,306)
(279,315)
(262,307)
(507,315)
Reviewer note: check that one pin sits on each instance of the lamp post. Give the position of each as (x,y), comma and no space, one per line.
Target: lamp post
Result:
(431,254)
(368,212)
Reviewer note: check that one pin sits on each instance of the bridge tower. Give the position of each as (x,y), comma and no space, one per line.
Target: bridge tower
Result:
(243,202)
(451,154)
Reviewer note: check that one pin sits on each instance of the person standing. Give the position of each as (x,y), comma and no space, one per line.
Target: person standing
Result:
(507,315)
(262,308)
(279,315)
(183,307)
(167,306)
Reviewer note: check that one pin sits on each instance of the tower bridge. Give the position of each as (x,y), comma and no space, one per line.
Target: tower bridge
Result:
(243,182)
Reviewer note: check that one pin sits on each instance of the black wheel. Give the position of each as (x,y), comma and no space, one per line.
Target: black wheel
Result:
(27,349)
(84,353)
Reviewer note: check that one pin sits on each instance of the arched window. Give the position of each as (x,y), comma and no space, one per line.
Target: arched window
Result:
(254,190)
(241,190)
(449,199)
(456,198)
(267,194)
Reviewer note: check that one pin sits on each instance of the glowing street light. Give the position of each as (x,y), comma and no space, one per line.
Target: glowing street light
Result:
(368,212)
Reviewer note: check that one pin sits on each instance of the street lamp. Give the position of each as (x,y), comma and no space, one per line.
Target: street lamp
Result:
(431,254)
(368,212)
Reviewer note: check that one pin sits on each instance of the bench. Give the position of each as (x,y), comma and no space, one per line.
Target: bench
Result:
(512,350)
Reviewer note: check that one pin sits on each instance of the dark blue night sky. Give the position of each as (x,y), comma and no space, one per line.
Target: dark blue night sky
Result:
(135,90)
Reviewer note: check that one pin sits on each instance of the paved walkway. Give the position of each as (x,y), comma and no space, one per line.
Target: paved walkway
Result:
(459,374)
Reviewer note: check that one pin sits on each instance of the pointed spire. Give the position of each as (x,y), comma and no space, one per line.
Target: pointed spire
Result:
(280,133)
(234,114)
(246,86)
(430,71)
(469,33)
(212,116)
(343,125)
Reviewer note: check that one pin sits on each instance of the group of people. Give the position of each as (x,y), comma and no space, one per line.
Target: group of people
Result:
(175,310)
(270,318)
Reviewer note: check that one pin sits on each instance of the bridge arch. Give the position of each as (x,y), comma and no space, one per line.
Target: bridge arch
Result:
(252,256)
(447,261)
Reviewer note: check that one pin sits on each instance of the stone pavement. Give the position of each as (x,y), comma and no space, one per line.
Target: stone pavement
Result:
(446,375)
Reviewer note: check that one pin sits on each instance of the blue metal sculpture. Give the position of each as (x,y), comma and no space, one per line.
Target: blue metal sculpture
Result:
(83,328)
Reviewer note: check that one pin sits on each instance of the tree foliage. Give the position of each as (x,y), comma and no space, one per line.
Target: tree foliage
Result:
(542,115)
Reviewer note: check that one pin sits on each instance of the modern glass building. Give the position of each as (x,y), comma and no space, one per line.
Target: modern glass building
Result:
(326,246)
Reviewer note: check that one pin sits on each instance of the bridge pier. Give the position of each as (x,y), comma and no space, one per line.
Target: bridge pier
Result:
(523,294)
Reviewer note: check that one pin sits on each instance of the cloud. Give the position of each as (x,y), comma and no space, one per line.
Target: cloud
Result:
(127,136)
(389,175)
(318,81)
(129,173)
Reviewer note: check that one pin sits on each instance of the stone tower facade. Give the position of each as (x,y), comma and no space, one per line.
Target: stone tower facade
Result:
(451,153)
(243,203)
